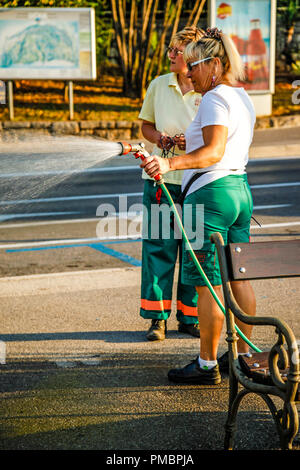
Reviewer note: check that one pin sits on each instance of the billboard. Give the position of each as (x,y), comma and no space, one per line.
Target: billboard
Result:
(47,43)
(251,26)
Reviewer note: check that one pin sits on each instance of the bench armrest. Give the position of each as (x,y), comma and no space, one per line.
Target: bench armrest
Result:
(279,357)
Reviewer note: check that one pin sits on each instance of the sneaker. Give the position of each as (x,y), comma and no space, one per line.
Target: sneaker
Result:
(193,374)
(157,330)
(191,329)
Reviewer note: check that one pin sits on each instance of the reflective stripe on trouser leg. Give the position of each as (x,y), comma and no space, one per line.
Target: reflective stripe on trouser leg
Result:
(159,257)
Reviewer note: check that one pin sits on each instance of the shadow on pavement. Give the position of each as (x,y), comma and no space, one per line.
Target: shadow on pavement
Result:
(124,403)
(106,336)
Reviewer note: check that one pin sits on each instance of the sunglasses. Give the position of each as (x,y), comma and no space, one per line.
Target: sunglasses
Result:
(192,64)
(174,50)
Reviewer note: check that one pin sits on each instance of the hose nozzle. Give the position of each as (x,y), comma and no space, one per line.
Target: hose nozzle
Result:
(127,148)
(138,151)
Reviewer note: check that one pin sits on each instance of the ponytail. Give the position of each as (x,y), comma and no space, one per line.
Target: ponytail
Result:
(214,43)
(236,68)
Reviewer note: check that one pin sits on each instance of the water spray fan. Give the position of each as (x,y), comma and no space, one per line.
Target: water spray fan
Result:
(139,151)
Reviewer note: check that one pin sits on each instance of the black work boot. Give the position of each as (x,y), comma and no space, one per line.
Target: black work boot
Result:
(190,329)
(157,330)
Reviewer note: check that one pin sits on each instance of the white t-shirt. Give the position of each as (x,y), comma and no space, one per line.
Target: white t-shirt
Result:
(230,107)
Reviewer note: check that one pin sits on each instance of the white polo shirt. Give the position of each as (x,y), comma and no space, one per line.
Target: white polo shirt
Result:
(171,112)
(230,107)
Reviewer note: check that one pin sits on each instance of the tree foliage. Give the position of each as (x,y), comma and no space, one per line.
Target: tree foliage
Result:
(137,29)
(288,13)
(141,40)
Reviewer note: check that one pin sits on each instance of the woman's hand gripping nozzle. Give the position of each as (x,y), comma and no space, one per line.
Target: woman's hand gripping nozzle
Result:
(139,151)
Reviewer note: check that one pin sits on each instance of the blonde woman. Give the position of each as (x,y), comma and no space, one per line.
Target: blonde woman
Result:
(169,107)
(217,145)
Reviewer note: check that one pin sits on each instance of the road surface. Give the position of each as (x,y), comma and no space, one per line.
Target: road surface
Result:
(53,195)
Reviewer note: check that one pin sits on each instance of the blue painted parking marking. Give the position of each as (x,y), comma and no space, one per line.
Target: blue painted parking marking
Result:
(96,246)
(116,254)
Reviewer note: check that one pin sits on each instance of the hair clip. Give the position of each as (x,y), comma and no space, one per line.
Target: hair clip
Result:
(213,33)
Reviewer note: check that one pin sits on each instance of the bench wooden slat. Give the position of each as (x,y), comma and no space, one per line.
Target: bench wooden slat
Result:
(256,367)
(262,260)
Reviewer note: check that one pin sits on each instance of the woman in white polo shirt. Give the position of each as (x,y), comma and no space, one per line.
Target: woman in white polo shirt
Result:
(169,107)
(217,144)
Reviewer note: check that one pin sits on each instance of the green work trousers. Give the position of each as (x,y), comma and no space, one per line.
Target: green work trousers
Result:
(227,209)
(161,248)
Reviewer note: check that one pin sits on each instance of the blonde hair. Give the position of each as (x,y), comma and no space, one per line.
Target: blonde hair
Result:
(221,46)
(185,36)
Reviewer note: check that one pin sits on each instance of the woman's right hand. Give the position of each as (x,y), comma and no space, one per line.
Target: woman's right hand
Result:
(155,165)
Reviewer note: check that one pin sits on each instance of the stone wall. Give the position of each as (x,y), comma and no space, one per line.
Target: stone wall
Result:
(112,130)
(293,120)
(109,130)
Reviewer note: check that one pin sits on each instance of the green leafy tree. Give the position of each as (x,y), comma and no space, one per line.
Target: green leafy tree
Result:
(288,12)
(138,29)
(140,47)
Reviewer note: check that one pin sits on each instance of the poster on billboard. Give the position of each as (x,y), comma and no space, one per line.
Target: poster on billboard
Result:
(47,43)
(251,27)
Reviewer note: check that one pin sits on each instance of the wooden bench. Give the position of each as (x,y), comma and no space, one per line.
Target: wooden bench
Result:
(273,373)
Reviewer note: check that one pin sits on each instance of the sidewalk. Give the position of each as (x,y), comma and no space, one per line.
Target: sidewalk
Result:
(79,373)
(277,142)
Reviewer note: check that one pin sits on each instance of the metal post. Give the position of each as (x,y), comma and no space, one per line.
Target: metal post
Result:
(11,100)
(3,99)
(71,101)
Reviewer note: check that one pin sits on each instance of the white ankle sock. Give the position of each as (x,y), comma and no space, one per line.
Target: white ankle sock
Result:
(206,364)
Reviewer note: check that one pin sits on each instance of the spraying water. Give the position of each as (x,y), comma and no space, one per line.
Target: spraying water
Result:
(48,161)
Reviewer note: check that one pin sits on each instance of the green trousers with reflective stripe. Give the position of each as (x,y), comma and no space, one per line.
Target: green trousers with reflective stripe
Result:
(161,248)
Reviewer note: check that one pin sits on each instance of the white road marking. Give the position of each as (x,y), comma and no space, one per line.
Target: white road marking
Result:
(5,217)
(67,198)
(121,215)
(69,172)
(49,222)
(67,364)
(120,237)
(282,224)
(109,169)
(112,195)
(275,185)
(270,206)
(2,352)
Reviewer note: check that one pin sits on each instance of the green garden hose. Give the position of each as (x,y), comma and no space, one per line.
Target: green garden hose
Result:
(139,151)
(198,266)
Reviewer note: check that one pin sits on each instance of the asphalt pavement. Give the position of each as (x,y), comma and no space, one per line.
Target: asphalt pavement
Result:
(78,374)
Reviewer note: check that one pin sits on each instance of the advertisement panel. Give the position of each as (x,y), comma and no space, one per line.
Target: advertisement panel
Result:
(251,26)
(47,43)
